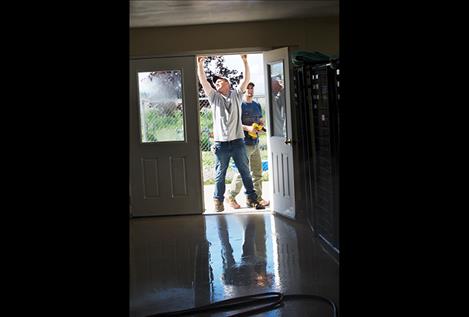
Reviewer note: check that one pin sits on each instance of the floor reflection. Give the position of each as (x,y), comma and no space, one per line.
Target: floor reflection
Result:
(186,261)
(239,253)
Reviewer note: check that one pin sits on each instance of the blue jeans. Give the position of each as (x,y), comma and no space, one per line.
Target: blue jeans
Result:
(223,152)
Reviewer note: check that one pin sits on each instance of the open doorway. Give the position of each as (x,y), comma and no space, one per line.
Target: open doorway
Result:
(231,66)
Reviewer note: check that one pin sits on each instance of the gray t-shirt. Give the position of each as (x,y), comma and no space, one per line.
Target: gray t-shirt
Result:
(226,114)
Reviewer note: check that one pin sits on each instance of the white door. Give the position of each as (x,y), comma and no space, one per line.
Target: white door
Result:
(281,160)
(165,177)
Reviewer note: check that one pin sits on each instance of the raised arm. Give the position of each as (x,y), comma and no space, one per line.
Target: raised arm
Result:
(247,74)
(202,77)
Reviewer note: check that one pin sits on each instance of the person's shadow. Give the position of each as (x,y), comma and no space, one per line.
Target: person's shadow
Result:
(251,269)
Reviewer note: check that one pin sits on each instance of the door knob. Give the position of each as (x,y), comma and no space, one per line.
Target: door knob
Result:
(287,141)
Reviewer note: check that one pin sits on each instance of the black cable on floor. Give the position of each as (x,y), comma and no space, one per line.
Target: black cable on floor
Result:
(276,300)
(224,304)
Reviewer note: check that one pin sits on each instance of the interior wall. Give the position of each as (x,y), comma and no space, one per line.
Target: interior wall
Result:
(314,34)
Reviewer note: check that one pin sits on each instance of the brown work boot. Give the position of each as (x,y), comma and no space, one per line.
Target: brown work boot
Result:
(218,205)
(233,203)
(264,202)
(254,204)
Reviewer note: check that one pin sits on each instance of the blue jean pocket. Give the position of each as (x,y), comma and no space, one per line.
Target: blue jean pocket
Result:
(215,147)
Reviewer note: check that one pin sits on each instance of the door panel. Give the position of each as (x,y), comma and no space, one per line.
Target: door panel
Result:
(277,76)
(165,177)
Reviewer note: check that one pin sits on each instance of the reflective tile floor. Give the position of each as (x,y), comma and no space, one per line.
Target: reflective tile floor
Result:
(180,262)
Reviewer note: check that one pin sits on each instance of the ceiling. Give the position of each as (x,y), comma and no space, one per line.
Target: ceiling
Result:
(156,13)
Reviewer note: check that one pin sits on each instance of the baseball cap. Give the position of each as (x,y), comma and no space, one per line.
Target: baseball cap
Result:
(218,76)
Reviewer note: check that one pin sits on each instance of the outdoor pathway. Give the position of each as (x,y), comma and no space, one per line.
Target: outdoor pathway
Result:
(241,198)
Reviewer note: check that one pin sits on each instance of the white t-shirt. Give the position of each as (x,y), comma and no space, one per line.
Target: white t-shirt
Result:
(226,114)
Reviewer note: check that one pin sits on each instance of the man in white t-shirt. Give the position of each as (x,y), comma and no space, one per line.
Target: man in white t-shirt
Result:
(228,132)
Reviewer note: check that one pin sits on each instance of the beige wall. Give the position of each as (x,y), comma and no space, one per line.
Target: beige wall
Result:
(304,34)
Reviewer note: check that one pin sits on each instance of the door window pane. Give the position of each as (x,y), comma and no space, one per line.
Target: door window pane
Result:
(161,106)
(277,99)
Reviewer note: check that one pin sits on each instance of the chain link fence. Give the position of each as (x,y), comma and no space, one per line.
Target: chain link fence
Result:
(162,122)
(206,141)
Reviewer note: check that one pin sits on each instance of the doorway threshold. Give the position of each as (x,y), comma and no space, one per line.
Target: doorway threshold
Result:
(239,211)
